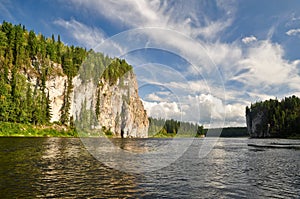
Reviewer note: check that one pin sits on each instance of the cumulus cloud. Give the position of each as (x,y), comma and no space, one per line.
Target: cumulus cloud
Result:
(154,97)
(84,35)
(249,73)
(204,109)
(293,32)
(267,66)
(247,40)
(164,110)
(260,70)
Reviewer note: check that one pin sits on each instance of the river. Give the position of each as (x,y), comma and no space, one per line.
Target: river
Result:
(64,168)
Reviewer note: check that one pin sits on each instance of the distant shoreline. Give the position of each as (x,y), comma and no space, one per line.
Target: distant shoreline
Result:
(18,130)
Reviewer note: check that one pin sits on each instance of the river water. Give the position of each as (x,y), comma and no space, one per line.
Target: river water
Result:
(64,168)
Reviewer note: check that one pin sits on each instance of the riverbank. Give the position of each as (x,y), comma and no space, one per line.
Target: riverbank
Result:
(8,129)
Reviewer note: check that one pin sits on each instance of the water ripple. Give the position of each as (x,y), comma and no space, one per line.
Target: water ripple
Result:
(62,168)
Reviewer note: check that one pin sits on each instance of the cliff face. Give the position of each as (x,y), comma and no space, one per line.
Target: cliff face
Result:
(274,118)
(120,109)
(55,86)
(114,108)
(256,126)
(43,80)
(257,123)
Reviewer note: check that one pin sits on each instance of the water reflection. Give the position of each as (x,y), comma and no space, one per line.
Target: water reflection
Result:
(133,145)
(63,168)
(66,167)
(136,155)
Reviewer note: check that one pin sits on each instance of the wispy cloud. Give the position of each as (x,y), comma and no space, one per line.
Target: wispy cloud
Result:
(188,18)
(5,7)
(83,34)
(249,72)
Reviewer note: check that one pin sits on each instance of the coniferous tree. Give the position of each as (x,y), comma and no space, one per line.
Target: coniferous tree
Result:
(24,51)
(279,117)
(32,44)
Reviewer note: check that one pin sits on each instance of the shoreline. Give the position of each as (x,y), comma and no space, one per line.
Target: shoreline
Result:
(109,137)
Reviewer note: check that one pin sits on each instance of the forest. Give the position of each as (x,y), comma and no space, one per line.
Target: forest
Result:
(27,57)
(159,127)
(280,118)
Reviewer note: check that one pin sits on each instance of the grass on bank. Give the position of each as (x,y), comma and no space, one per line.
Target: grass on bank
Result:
(27,130)
(9,129)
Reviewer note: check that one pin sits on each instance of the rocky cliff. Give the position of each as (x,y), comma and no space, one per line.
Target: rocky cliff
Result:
(256,125)
(114,108)
(43,80)
(274,118)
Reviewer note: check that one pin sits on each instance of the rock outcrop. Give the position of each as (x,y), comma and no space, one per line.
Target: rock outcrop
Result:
(114,108)
(256,125)
(121,110)
(274,118)
(56,86)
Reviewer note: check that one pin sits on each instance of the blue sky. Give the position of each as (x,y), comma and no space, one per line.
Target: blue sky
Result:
(200,61)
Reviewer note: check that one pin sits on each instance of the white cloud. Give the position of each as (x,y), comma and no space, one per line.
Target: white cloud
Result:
(293,32)
(180,16)
(163,110)
(84,35)
(154,97)
(247,40)
(204,109)
(267,66)
(260,70)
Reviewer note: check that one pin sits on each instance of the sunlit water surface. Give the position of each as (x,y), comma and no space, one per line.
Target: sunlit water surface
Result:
(63,168)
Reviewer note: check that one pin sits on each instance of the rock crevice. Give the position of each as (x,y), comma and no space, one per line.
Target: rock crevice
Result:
(119,108)
(114,107)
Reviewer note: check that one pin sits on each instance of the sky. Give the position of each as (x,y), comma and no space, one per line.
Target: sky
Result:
(201,61)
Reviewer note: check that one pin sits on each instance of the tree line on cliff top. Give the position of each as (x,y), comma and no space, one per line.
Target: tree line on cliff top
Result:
(26,56)
(280,118)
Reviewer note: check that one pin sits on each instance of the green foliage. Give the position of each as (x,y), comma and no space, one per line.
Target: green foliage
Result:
(72,59)
(87,118)
(171,128)
(22,51)
(18,129)
(93,66)
(115,70)
(280,118)
(25,55)
(97,66)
